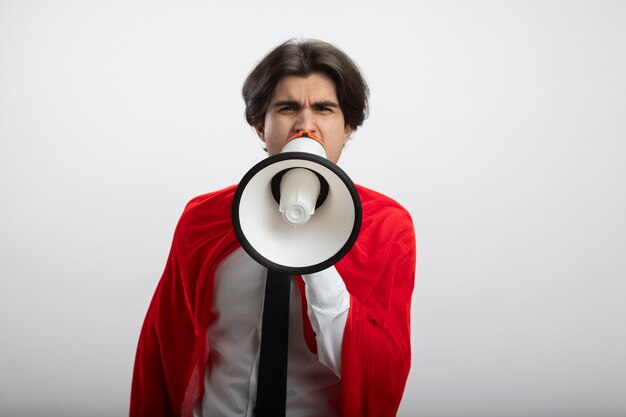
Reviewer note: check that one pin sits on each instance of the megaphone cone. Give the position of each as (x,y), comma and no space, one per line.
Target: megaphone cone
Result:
(296,212)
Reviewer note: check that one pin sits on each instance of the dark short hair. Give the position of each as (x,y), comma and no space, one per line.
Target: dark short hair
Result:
(303,58)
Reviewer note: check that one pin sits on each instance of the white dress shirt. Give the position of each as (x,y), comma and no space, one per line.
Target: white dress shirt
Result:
(231,372)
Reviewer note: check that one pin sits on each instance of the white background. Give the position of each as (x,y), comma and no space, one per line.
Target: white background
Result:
(500,125)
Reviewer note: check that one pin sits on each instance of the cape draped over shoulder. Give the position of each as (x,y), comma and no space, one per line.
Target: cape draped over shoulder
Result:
(378,271)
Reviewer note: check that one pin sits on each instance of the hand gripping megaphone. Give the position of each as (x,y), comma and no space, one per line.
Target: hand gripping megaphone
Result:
(297,212)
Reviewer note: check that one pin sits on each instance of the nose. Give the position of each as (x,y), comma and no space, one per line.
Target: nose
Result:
(305,121)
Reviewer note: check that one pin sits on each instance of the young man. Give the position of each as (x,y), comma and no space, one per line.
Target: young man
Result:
(349,333)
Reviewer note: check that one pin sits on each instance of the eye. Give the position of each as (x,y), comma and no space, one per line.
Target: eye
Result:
(288,108)
(324,109)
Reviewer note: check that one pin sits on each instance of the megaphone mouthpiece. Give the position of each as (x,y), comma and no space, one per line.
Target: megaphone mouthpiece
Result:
(305,142)
(306,134)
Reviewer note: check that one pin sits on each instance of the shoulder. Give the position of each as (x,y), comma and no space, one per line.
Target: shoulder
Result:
(210,200)
(380,211)
(371,197)
(211,210)
(384,250)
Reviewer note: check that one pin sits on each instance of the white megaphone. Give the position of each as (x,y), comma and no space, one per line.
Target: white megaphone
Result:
(297,212)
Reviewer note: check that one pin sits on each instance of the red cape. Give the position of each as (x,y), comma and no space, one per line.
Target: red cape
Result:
(378,272)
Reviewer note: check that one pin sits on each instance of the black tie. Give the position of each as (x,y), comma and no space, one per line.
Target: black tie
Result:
(272,382)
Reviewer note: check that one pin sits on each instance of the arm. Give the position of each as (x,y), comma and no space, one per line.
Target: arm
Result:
(172,349)
(153,393)
(376,353)
(328,303)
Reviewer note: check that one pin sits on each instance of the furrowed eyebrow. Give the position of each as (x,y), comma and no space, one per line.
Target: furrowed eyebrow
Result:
(325,104)
(293,103)
(282,103)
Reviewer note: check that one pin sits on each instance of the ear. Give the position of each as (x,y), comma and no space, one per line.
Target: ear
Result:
(260,130)
(347,131)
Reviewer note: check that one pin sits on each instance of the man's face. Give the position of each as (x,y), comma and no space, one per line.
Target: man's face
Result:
(300,103)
